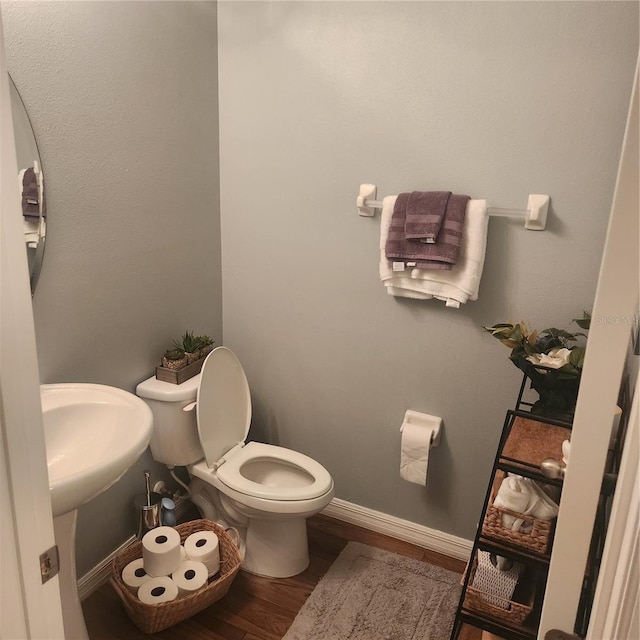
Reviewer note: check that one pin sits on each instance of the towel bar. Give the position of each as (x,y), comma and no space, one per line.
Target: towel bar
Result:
(535,214)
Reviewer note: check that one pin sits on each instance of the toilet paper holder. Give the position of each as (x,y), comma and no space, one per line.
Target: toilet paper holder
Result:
(424,420)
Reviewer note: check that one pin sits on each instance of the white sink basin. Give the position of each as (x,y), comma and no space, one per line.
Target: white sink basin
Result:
(93,434)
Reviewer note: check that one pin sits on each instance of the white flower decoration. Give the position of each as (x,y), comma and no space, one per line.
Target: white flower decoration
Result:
(555,359)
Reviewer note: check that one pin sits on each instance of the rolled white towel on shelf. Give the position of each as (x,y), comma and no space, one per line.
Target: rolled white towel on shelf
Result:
(524,496)
(513,495)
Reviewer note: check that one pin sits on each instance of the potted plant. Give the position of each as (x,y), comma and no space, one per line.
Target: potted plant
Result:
(194,347)
(552,360)
(185,359)
(174,359)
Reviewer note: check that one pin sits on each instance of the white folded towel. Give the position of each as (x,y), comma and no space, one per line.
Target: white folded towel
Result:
(524,496)
(514,494)
(455,287)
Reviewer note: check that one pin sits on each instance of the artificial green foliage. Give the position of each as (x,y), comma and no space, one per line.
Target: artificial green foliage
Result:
(174,354)
(187,343)
(190,343)
(552,359)
(203,341)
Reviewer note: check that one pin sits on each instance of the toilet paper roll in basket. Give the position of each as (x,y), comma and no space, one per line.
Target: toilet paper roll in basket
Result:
(161,551)
(158,590)
(203,546)
(189,577)
(134,575)
(420,432)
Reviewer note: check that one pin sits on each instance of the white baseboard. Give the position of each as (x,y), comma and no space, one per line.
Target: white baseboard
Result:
(377,521)
(417,534)
(96,577)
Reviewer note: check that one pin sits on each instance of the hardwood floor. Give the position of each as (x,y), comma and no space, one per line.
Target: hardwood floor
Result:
(258,608)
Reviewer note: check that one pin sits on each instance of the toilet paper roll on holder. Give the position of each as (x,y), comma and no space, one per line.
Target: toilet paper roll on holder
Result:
(424,420)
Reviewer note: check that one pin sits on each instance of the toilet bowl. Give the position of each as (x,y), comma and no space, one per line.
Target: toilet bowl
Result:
(266,491)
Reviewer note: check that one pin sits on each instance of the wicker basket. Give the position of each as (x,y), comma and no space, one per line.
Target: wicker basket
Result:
(151,618)
(538,539)
(516,613)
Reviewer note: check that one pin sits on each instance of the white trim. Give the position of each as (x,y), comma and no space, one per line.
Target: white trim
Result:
(96,577)
(26,503)
(400,529)
(618,582)
(614,306)
(377,521)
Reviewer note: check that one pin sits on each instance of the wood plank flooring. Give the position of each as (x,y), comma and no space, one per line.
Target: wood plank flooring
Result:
(258,608)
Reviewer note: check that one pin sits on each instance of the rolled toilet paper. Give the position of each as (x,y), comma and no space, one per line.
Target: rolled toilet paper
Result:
(204,546)
(134,575)
(161,551)
(417,432)
(158,590)
(190,577)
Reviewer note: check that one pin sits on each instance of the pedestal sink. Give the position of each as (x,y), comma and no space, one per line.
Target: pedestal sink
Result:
(93,434)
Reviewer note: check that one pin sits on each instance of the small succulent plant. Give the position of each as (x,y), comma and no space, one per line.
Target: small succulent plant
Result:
(188,342)
(174,354)
(203,341)
(194,347)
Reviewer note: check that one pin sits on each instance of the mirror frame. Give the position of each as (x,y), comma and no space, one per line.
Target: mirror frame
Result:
(35,229)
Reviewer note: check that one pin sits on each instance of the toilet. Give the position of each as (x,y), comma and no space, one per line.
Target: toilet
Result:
(264,491)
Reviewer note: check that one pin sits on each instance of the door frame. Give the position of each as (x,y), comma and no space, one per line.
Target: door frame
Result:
(612,321)
(28,608)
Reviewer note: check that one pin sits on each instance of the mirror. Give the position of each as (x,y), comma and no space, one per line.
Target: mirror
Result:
(30,183)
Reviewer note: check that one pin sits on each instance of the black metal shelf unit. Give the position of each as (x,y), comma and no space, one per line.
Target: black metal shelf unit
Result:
(525,441)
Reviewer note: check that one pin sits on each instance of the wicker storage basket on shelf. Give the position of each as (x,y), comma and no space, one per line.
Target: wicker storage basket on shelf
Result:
(151,618)
(540,532)
(516,613)
(538,539)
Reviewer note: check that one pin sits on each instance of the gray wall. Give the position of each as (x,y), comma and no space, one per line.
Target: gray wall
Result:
(497,100)
(493,99)
(123,98)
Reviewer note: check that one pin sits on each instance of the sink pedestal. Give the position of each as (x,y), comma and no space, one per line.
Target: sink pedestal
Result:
(64,528)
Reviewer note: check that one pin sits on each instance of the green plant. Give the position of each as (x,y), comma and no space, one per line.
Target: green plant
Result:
(174,354)
(191,343)
(187,342)
(203,341)
(552,359)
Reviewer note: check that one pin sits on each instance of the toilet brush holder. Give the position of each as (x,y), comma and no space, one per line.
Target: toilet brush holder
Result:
(148,514)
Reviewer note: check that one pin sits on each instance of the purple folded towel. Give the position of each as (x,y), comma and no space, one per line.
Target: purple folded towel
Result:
(443,254)
(425,212)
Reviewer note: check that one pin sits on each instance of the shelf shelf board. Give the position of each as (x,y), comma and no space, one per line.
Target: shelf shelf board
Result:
(510,550)
(529,441)
(503,629)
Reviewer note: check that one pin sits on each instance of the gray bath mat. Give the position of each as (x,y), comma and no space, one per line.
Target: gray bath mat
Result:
(371,594)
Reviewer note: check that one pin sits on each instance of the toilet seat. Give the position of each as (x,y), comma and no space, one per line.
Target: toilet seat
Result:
(307,478)
(265,471)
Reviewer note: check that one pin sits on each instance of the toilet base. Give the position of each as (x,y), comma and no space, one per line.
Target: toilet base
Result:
(276,548)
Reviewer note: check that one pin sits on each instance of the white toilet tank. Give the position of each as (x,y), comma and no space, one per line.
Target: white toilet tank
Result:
(175,440)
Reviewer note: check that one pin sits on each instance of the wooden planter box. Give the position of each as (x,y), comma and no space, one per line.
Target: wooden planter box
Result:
(181,375)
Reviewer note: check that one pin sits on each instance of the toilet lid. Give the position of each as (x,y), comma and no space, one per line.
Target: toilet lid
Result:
(223,407)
